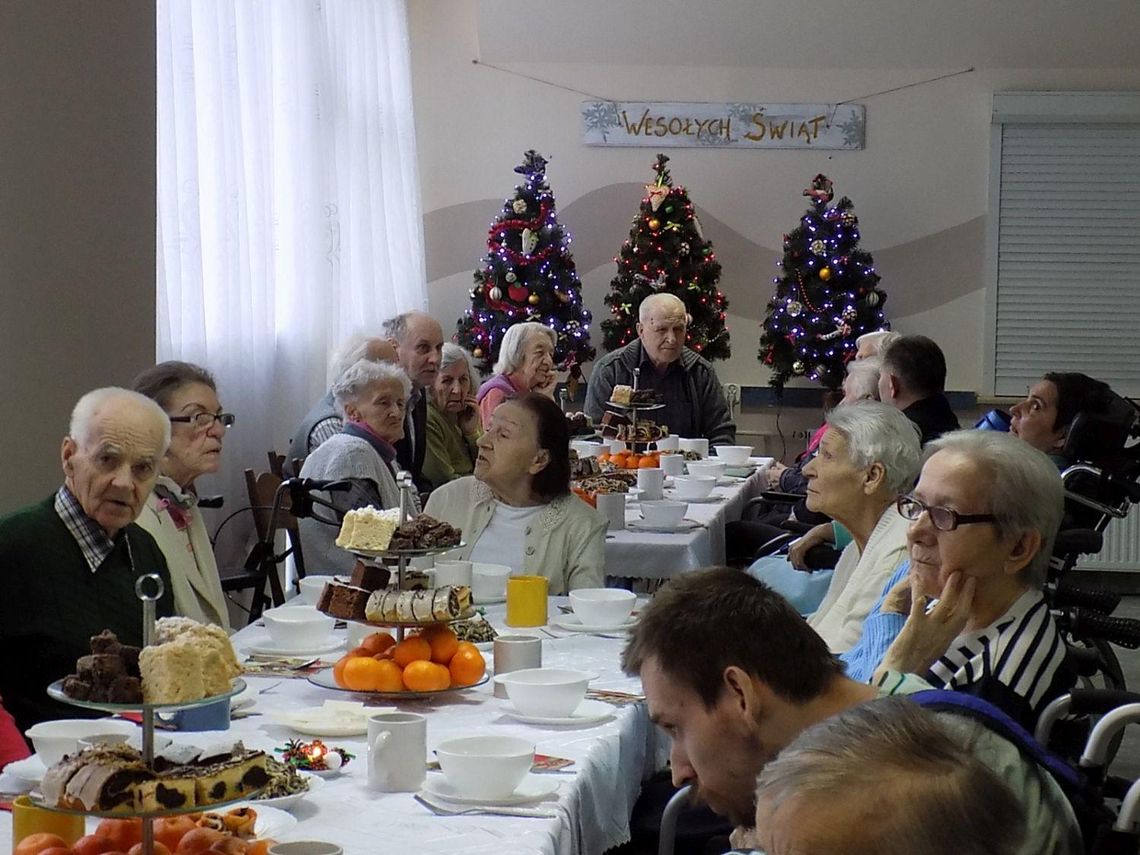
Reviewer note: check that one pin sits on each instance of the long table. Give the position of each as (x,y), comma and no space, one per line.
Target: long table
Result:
(594,800)
(649,555)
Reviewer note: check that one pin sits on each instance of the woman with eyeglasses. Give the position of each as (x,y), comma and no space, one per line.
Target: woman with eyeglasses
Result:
(969,614)
(189,396)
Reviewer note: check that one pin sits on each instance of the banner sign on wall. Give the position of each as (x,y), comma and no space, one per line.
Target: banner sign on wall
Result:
(657,125)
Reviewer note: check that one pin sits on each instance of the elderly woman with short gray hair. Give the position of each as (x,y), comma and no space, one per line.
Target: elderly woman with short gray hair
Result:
(525,364)
(371,397)
(453,423)
(867,458)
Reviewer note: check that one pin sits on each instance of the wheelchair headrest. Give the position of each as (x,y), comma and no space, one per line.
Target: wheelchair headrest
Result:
(1099,438)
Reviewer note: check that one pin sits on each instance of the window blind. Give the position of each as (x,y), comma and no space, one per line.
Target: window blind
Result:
(1068,254)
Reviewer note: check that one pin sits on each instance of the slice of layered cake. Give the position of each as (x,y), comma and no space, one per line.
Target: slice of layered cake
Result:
(368,529)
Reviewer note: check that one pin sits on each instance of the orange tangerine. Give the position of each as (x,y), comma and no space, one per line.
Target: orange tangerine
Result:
(444,642)
(390,677)
(377,642)
(364,674)
(410,649)
(422,676)
(467,665)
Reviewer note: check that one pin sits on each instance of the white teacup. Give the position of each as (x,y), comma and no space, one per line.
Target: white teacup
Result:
(669,443)
(489,582)
(615,445)
(700,445)
(664,513)
(397,748)
(651,483)
(673,464)
(585,449)
(451,573)
(706,468)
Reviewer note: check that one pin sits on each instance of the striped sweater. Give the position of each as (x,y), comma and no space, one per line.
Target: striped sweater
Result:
(1017,662)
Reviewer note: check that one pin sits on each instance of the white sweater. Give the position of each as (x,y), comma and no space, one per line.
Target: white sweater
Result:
(858,582)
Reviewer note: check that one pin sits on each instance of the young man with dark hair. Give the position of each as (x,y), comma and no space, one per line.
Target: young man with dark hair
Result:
(913,379)
(733,675)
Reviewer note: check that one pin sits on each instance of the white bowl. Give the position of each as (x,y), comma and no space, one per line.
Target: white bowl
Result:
(706,468)
(489,582)
(311,587)
(585,448)
(700,445)
(734,455)
(487,767)
(607,606)
(693,487)
(53,739)
(664,513)
(546,692)
(669,443)
(297,627)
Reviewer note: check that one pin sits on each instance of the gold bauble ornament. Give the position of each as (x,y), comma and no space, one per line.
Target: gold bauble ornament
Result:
(654,224)
(825,273)
(533,299)
(477,353)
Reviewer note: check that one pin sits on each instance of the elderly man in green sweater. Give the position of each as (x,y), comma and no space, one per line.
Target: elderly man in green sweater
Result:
(68,564)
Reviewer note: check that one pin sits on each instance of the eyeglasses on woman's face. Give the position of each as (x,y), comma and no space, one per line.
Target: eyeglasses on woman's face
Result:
(942,519)
(205,421)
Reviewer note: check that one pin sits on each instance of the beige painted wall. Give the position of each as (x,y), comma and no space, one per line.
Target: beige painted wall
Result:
(920,186)
(77,219)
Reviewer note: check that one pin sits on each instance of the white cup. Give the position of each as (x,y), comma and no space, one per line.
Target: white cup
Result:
(515,653)
(357,632)
(585,449)
(397,752)
(669,443)
(612,507)
(651,483)
(673,464)
(489,582)
(615,445)
(451,573)
(700,445)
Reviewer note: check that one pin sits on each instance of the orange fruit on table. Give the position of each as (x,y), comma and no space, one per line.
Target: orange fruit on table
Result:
(390,678)
(618,459)
(444,642)
(410,649)
(198,841)
(36,843)
(377,642)
(159,849)
(259,847)
(363,674)
(124,833)
(422,676)
(648,461)
(170,830)
(467,665)
(92,844)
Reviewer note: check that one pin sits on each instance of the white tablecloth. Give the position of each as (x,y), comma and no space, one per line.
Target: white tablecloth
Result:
(648,555)
(594,800)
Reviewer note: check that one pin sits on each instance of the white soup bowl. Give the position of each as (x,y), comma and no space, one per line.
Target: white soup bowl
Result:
(297,627)
(734,455)
(665,513)
(485,767)
(605,606)
(693,487)
(546,692)
(53,739)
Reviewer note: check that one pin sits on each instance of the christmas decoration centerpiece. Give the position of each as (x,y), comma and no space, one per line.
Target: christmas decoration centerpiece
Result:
(667,251)
(528,274)
(826,298)
(314,756)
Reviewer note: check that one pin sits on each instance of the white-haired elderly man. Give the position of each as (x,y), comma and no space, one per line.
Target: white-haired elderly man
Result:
(68,564)
(685,382)
(525,364)
(966,612)
(888,776)
(418,339)
(322,421)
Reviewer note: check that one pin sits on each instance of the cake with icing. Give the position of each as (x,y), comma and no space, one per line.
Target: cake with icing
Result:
(368,529)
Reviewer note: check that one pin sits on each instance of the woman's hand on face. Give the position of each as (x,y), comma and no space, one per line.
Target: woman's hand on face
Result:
(468,418)
(773,475)
(546,387)
(927,635)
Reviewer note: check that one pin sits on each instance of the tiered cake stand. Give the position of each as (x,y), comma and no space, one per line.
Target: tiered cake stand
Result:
(149,589)
(633,409)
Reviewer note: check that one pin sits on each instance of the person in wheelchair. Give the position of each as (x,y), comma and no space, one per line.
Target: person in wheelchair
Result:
(1043,419)
(984,515)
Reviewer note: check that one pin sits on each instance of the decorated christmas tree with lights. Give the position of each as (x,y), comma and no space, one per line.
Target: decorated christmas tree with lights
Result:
(827,297)
(667,251)
(528,274)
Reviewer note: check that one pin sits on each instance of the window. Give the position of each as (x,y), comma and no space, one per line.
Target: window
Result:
(1064,239)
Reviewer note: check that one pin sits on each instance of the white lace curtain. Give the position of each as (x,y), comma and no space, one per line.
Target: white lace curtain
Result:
(288,199)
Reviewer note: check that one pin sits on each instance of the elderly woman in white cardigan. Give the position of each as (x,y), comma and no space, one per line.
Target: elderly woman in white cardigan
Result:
(525,364)
(517,509)
(371,397)
(867,458)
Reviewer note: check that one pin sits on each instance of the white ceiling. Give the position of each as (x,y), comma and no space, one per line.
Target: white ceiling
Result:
(855,34)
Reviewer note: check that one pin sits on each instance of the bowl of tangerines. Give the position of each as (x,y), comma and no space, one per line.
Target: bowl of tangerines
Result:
(631,460)
(429,661)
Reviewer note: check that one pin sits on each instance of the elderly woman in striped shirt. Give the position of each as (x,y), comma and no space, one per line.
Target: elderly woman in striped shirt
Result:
(984,515)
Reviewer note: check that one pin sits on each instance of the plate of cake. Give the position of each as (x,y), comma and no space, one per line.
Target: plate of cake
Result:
(372,533)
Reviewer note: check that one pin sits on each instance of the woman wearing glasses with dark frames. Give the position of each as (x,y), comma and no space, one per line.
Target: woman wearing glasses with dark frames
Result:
(983,517)
(189,396)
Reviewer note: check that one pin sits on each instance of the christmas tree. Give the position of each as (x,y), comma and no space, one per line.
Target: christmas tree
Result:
(667,251)
(528,274)
(827,297)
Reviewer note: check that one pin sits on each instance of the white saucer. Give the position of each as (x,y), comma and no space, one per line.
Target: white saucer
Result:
(588,712)
(704,500)
(573,623)
(534,788)
(645,525)
(30,769)
(484,601)
(270,649)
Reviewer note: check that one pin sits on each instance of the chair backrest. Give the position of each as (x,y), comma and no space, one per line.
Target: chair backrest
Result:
(262,488)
